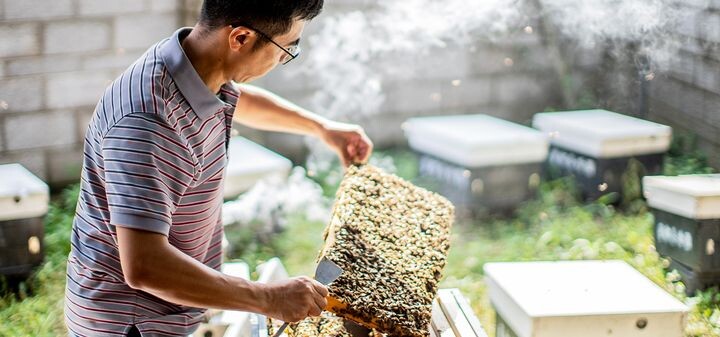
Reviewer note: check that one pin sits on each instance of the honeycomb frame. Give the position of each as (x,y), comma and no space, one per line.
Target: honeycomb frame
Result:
(391,238)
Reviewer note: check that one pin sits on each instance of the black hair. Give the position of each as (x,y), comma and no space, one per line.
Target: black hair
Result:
(271,17)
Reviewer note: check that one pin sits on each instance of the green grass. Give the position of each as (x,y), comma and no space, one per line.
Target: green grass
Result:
(684,157)
(552,227)
(37,309)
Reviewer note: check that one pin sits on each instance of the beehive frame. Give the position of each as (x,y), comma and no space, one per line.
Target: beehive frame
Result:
(391,238)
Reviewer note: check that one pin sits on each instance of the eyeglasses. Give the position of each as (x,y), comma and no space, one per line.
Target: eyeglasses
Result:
(291,52)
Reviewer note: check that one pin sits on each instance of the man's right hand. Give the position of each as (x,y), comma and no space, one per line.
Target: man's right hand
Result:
(295,299)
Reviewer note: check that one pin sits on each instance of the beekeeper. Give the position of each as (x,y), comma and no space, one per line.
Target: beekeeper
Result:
(146,238)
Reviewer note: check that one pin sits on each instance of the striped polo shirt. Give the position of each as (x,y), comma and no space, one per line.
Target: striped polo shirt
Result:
(154,159)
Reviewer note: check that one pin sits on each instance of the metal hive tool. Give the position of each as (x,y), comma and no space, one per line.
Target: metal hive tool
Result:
(325,273)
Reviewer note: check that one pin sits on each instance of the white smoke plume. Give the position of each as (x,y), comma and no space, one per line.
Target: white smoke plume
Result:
(648,24)
(347,52)
(349,45)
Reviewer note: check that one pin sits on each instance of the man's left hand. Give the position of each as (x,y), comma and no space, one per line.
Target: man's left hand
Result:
(349,141)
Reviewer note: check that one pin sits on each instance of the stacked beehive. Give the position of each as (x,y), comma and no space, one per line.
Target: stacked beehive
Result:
(605,151)
(391,238)
(23,205)
(686,212)
(482,163)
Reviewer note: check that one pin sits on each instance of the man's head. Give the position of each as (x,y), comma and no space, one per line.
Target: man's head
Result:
(259,33)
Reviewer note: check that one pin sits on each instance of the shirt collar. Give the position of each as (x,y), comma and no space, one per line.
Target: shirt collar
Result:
(201,99)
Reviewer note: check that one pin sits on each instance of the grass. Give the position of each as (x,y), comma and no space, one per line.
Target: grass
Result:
(37,308)
(552,227)
(684,157)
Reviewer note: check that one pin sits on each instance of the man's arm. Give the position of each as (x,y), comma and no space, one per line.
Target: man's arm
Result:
(151,264)
(260,109)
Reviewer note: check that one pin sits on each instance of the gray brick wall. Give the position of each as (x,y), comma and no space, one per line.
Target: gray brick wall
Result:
(56,59)
(87,36)
(686,95)
(425,84)
(38,9)
(61,54)
(20,38)
(58,56)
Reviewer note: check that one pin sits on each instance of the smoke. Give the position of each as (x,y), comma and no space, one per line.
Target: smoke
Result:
(355,53)
(350,52)
(590,22)
(349,47)
(613,24)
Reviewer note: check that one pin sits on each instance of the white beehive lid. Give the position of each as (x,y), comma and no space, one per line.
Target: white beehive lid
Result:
(548,298)
(476,140)
(690,196)
(250,162)
(22,194)
(603,134)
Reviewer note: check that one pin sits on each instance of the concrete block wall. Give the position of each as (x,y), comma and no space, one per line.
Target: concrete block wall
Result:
(512,79)
(56,58)
(686,95)
(489,79)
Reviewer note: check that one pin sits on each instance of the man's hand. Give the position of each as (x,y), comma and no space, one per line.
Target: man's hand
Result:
(349,141)
(294,299)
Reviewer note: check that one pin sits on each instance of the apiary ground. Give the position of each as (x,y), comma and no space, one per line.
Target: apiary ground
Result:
(555,226)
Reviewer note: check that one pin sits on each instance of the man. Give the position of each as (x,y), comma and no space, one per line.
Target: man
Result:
(146,241)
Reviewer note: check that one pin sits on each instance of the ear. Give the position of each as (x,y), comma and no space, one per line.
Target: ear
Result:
(240,37)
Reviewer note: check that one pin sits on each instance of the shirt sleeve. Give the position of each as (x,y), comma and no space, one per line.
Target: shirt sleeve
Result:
(148,168)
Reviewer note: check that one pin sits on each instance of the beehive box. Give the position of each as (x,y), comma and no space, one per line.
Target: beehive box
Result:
(391,239)
(686,210)
(23,204)
(481,163)
(580,298)
(249,162)
(600,148)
